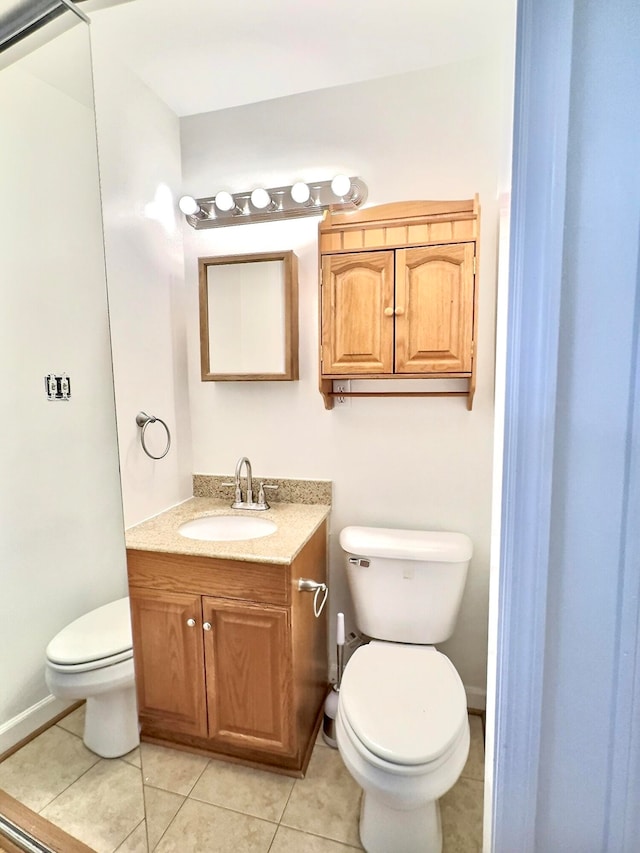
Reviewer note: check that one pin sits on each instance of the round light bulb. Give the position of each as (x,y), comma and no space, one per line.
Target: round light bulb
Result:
(188,205)
(224,201)
(341,185)
(300,192)
(260,198)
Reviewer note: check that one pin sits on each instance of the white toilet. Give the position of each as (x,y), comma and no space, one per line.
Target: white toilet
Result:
(92,659)
(402,727)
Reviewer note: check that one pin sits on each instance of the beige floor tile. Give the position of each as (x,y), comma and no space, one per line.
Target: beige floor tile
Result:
(133,757)
(461,811)
(136,842)
(42,769)
(103,807)
(292,841)
(327,801)
(199,826)
(243,789)
(74,722)
(474,768)
(160,808)
(170,769)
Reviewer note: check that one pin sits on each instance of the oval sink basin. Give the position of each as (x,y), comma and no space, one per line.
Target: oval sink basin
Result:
(226,528)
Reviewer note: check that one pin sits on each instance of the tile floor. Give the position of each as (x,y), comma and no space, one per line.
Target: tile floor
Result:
(193,804)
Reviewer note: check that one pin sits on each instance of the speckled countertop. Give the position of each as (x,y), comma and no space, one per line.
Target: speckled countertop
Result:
(296,524)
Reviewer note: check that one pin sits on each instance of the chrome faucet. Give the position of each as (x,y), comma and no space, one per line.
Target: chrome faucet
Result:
(244,461)
(249,503)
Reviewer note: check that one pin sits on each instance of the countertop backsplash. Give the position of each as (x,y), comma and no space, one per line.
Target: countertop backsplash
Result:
(289,491)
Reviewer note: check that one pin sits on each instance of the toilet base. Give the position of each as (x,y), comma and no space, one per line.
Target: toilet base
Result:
(387,830)
(111,723)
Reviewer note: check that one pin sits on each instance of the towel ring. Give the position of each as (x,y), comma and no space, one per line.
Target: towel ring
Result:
(143,420)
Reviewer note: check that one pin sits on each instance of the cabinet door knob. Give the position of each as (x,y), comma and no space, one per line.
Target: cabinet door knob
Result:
(206,626)
(388,312)
(191,622)
(399,311)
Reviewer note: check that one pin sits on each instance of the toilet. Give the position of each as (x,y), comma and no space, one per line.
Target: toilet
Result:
(401,726)
(92,659)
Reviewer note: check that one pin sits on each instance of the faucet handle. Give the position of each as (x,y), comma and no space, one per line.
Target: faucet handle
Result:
(238,493)
(262,501)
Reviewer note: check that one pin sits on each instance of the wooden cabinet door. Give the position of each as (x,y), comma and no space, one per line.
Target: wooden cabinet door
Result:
(434,309)
(169,660)
(248,665)
(357,335)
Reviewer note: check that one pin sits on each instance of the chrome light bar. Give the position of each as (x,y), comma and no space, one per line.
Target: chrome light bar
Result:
(267,205)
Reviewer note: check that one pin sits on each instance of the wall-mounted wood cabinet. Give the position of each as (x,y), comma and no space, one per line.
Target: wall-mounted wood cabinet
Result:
(399,296)
(229,656)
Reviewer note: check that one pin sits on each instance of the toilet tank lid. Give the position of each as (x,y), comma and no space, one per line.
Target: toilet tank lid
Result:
(101,633)
(435,545)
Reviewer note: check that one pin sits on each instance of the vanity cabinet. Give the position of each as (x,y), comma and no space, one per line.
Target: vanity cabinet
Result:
(399,296)
(229,657)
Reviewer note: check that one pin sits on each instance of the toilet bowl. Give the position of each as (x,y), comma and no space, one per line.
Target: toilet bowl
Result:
(402,727)
(403,733)
(92,659)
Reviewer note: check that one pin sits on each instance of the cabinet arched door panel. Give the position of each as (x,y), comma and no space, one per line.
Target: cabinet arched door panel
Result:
(434,309)
(357,334)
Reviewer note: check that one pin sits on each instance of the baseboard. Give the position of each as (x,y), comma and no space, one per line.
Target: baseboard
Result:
(20,727)
(476,698)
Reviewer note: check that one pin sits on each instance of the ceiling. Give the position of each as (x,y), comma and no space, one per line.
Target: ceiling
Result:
(202,55)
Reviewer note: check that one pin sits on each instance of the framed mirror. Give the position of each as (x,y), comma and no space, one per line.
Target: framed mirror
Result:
(249,317)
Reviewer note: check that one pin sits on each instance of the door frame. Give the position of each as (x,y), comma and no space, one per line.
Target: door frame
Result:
(519,585)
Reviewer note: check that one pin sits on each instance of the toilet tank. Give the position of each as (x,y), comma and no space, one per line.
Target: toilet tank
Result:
(406,585)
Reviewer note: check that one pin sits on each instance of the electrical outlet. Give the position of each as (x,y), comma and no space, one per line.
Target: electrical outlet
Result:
(57,387)
(341,386)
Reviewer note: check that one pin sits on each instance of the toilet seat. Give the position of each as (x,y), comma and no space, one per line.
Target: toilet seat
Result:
(407,772)
(98,639)
(87,666)
(383,680)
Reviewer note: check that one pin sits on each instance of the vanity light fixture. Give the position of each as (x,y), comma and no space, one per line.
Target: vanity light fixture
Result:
(261,200)
(300,193)
(344,187)
(226,203)
(264,205)
(341,186)
(190,207)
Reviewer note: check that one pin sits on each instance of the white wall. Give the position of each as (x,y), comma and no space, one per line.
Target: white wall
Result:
(434,134)
(139,148)
(61,530)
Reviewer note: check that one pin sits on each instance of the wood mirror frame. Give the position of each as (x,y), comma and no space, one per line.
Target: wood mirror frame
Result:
(284,325)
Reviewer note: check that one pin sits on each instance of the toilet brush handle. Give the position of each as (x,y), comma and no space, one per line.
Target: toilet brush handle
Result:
(340,666)
(339,647)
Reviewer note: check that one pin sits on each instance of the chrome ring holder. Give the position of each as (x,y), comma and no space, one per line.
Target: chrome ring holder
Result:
(143,420)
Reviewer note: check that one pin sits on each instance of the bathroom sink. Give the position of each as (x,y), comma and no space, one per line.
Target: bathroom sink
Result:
(226,528)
